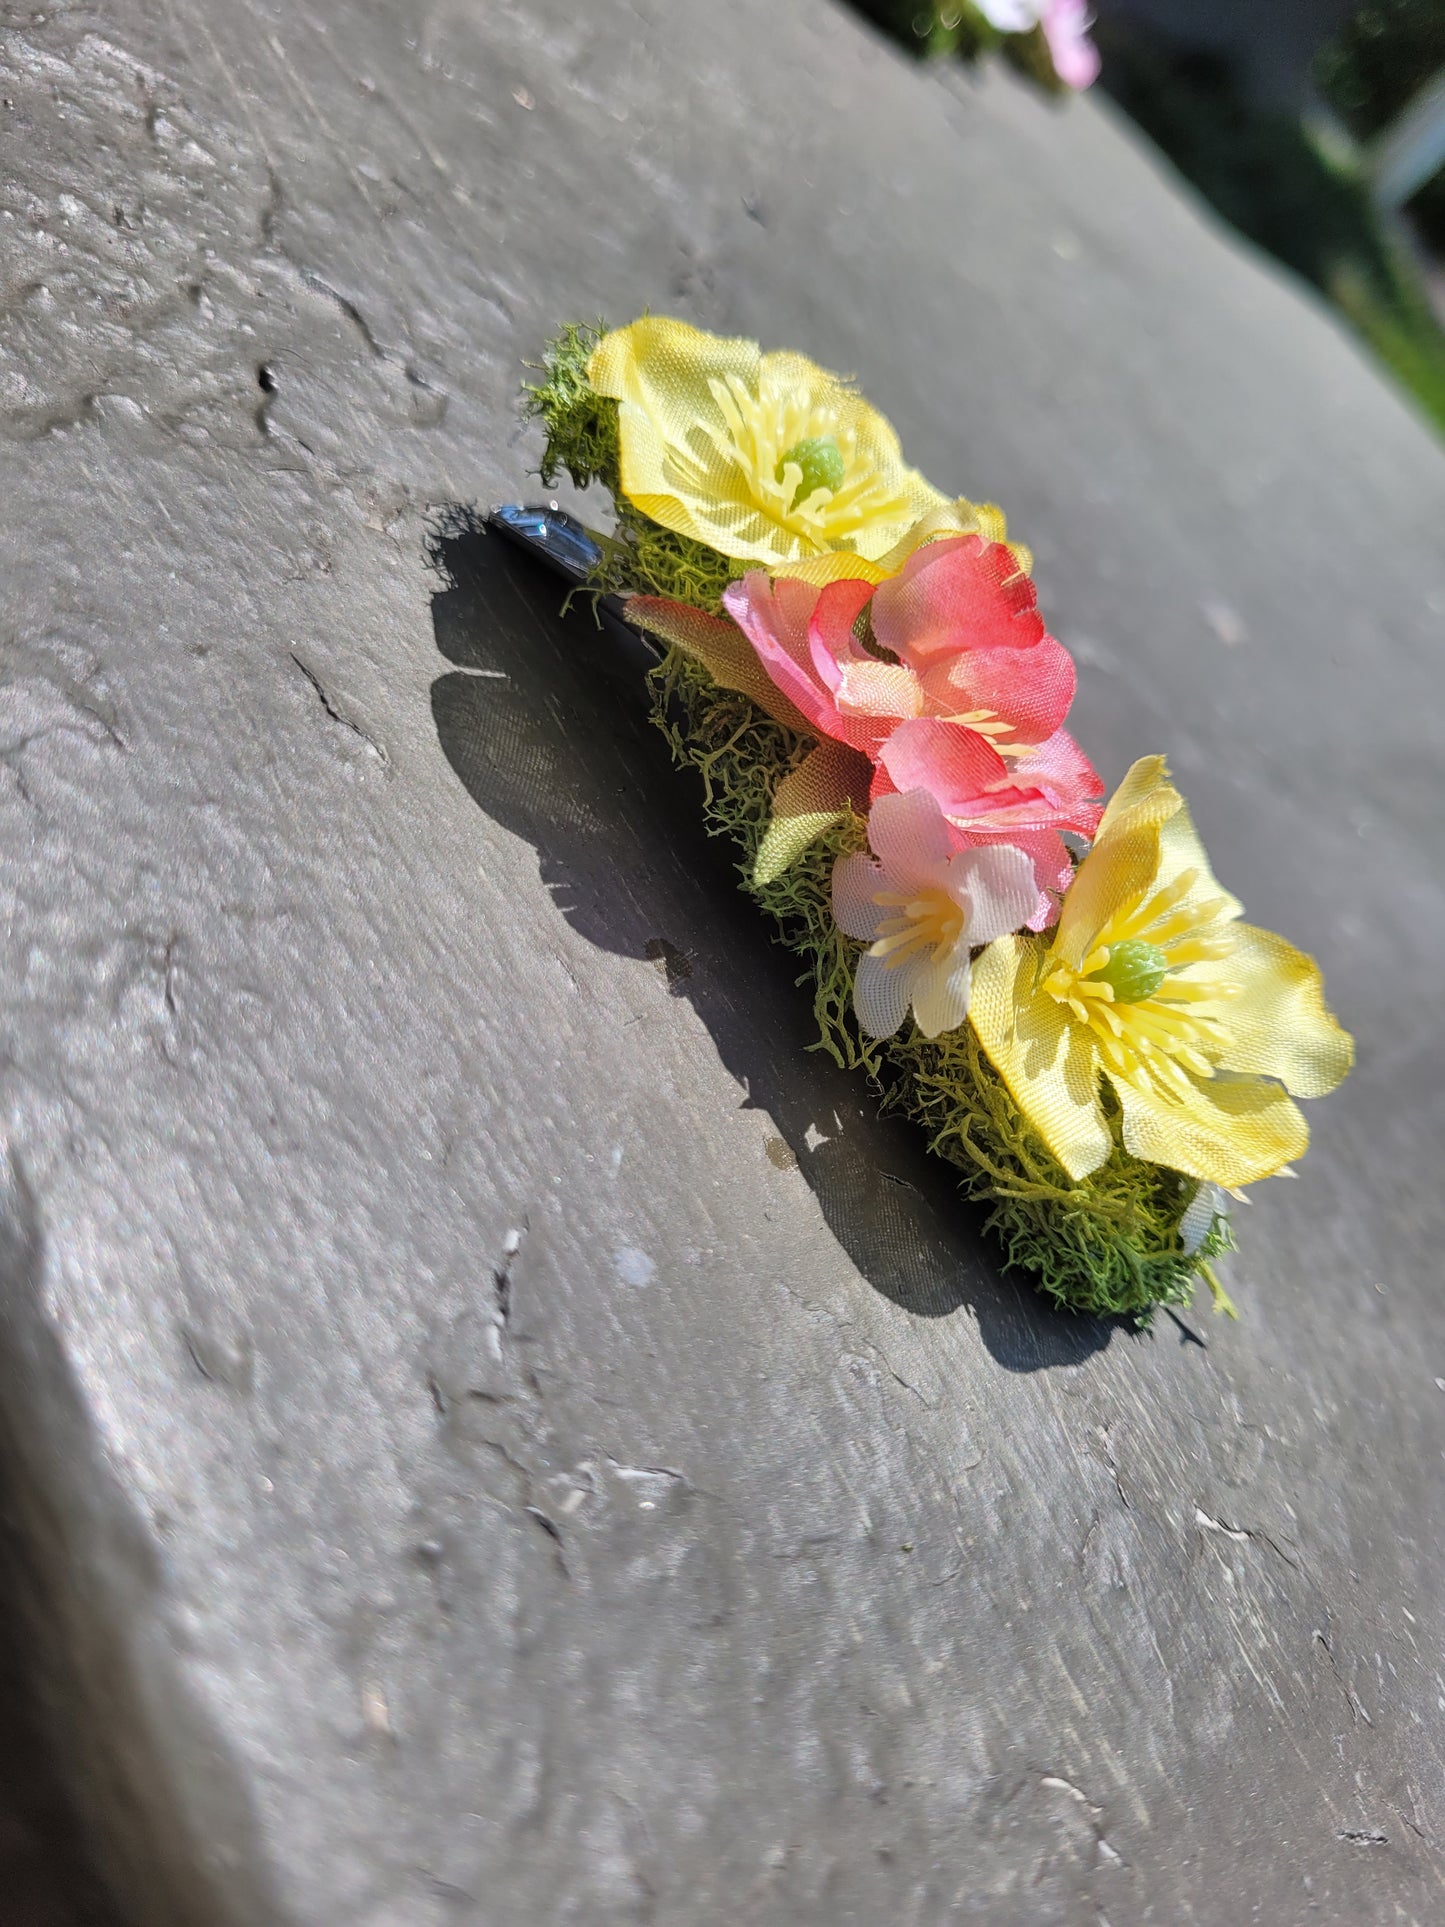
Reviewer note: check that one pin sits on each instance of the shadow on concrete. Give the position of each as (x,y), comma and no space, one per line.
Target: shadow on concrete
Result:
(125,1804)
(545,722)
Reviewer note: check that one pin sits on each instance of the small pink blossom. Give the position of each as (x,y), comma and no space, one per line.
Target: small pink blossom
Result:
(922,906)
(1066,26)
(1027,802)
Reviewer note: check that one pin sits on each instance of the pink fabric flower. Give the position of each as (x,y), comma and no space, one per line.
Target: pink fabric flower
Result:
(962,623)
(922,906)
(966,705)
(1026,803)
(1066,26)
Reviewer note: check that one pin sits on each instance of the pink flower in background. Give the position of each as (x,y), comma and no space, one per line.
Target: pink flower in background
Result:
(1066,26)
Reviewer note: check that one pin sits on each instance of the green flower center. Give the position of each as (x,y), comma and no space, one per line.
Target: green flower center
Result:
(821,461)
(1134,971)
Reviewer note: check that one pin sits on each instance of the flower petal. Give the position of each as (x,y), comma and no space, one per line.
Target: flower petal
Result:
(657,361)
(940,994)
(881,995)
(1277,1025)
(1122,865)
(705,422)
(1145,841)
(954,764)
(831,641)
(1228,1130)
(956,594)
(1061,771)
(661,372)
(1010,16)
(1208,1203)
(1002,892)
(1053,870)
(856,878)
(1045,848)
(1145,798)
(961,517)
(1180,849)
(773,616)
(1066,28)
(909,834)
(1047,1061)
(1031,689)
(831,566)
(878,689)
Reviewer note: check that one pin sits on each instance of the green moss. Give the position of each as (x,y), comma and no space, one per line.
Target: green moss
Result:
(1109,1245)
(581,430)
(581,426)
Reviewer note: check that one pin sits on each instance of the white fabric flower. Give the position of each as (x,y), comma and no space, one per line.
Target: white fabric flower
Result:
(922,905)
(1010,16)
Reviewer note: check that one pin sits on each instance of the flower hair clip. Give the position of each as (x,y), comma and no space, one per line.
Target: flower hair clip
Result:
(1053,985)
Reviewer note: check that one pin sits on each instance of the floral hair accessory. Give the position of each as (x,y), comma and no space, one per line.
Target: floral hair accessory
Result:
(1065,28)
(857,666)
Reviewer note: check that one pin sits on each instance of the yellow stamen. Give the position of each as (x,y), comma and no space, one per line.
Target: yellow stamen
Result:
(1160,1040)
(930,920)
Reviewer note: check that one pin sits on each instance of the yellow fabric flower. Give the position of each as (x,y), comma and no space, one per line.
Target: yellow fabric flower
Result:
(766,458)
(1150,979)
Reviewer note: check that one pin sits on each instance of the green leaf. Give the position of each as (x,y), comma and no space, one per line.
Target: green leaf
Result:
(785,840)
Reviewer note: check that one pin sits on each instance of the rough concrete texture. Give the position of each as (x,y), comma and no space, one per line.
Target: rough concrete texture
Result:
(499,1434)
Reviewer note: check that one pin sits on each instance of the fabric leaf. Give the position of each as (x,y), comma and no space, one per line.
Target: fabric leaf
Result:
(808,801)
(722,649)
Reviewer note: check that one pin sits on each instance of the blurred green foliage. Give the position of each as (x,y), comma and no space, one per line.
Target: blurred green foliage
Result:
(1293,193)
(1269,174)
(1380,59)
(1374,67)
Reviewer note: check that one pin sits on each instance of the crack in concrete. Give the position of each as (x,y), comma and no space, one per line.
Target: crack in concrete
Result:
(378,349)
(1348,1693)
(337,715)
(526,1486)
(1103,1845)
(502,1274)
(1243,1535)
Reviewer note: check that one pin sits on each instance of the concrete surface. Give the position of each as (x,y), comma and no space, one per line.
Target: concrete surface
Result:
(498,1435)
